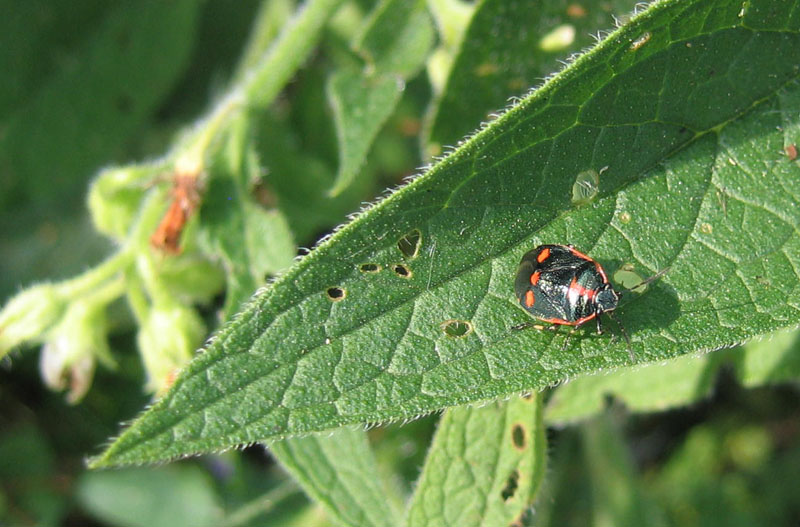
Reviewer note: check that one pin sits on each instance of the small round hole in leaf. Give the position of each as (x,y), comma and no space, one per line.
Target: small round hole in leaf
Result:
(335,294)
(518,436)
(511,486)
(456,328)
(409,244)
(628,279)
(369,268)
(402,271)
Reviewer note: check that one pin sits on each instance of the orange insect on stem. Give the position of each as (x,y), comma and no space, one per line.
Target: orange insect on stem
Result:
(185,201)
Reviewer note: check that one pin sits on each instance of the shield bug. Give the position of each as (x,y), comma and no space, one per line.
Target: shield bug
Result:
(563,286)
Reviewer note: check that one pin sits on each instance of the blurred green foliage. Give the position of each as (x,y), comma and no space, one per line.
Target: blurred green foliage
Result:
(91,83)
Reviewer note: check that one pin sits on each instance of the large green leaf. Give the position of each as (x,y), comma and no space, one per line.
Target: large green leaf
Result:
(508,47)
(339,471)
(484,467)
(682,112)
(394,45)
(137,497)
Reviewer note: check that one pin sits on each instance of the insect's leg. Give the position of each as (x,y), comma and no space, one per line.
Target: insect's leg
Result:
(651,279)
(599,326)
(624,334)
(526,325)
(569,336)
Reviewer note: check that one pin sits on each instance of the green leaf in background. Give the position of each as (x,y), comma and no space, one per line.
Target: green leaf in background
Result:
(27,459)
(78,119)
(484,466)
(505,51)
(617,496)
(339,471)
(361,105)
(769,361)
(35,38)
(252,242)
(299,181)
(394,46)
(147,497)
(727,473)
(409,308)
(650,388)
(679,381)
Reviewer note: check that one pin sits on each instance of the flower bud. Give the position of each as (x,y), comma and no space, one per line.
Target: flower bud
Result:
(115,197)
(28,315)
(167,340)
(72,346)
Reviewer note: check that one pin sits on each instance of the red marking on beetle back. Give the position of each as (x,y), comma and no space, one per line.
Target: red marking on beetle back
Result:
(529,299)
(535,278)
(577,289)
(544,255)
(601,271)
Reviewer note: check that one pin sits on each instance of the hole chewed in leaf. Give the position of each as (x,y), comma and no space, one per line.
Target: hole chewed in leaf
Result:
(511,486)
(335,294)
(518,436)
(409,244)
(586,187)
(456,328)
(369,268)
(403,271)
(627,278)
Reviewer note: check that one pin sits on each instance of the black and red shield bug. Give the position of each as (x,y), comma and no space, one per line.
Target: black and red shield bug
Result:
(563,286)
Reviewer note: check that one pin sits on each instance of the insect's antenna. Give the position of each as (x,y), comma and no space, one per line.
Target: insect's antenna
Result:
(624,334)
(651,279)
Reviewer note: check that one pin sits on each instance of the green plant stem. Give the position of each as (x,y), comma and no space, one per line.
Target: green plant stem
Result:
(260,85)
(291,49)
(137,298)
(108,291)
(257,88)
(93,278)
(271,17)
